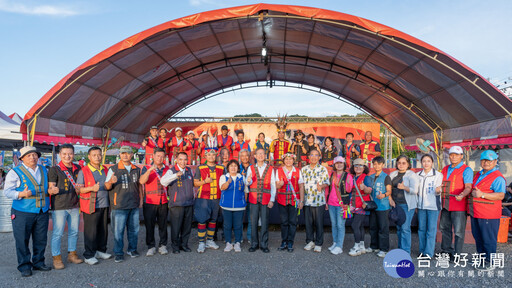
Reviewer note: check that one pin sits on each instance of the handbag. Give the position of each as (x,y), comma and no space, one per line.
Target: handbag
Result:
(367,205)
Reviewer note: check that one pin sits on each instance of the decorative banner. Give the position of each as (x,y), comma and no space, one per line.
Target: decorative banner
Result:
(16,158)
(2,156)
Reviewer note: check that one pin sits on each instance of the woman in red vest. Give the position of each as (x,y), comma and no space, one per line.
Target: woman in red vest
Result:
(358,199)
(289,199)
(484,206)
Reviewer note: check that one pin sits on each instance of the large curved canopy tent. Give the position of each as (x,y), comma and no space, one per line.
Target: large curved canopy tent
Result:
(410,86)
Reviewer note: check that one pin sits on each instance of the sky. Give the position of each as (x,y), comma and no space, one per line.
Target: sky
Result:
(44,40)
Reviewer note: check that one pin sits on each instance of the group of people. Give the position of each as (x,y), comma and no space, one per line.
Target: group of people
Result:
(227,148)
(240,188)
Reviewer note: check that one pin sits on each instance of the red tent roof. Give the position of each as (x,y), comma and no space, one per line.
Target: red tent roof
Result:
(142,81)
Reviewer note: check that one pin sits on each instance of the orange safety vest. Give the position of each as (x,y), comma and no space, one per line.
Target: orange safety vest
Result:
(484,208)
(259,190)
(453,186)
(88,200)
(154,192)
(210,191)
(284,195)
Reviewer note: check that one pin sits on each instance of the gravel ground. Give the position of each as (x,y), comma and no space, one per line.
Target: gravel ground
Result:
(218,269)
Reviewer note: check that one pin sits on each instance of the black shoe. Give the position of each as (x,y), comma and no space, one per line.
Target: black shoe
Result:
(175,251)
(252,249)
(290,246)
(26,273)
(185,249)
(265,250)
(283,246)
(133,254)
(43,268)
(119,258)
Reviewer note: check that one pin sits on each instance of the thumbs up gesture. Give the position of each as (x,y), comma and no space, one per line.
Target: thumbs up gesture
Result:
(208,180)
(25,193)
(53,190)
(113,179)
(96,187)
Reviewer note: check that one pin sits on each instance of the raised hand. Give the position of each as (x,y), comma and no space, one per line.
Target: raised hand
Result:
(144,143)
(53,190)
(113,179)
(96,187)
(208,180)
(25,193)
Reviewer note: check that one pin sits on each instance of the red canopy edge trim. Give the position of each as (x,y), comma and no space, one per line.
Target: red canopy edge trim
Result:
(226,13)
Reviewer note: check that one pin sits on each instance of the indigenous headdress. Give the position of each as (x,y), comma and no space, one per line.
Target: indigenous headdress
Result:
(281,124)
(293,156)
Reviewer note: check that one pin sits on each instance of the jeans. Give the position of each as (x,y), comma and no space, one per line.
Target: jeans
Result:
(457,221)
(121,218)
(403,232)
(485,232)
(314,218)
(427,229)
(233,220)
(24,226)
(288,215)
(338,225)
(59,219)
(379,230)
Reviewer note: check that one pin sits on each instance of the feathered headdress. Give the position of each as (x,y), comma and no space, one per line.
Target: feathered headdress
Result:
(281,124)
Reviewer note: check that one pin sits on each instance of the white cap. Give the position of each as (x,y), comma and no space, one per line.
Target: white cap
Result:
(178,128)
(190,132)
(456,150)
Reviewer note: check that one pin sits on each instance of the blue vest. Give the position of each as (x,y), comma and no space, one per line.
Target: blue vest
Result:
(234,196)
(40,198)
(379,186)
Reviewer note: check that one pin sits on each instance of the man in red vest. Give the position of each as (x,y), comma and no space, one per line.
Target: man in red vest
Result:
(206,206)
(262,194)
(224,140)
(163,141)
(192,148)
(457,184)
(155,207)
(150,144)
(94,204)
(240,145)
(176,145)
(489,188)
(369,149)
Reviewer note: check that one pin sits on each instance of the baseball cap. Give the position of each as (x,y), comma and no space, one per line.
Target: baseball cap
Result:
(488,155)
(456,150)
(125,149)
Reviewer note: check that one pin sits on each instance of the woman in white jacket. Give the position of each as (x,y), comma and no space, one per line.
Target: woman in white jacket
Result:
(429,205)
(404,184)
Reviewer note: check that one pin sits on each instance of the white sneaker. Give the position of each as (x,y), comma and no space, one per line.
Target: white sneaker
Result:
(375,250)
(309,246)
(229,247)
(200,248)
(361,247)
(151,252)
(91,261)
(337,250)
(318,249)
(211,244)
(381,254)
(163,250)
(102,255)
(356,251)
(356,246)
(332,246)
(237,247)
